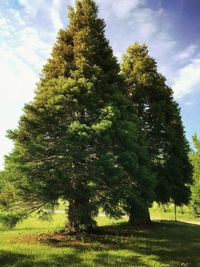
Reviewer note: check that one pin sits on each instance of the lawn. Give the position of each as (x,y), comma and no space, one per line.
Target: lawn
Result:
(164,243)
(183,214)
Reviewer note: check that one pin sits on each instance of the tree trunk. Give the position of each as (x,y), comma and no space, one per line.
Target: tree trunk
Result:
(139,216)
(79,216)
(175,212)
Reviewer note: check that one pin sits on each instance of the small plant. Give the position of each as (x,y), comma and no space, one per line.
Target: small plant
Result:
(9,220)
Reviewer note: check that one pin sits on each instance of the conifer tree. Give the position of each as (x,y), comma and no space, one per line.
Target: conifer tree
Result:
(80,138)
(162,125)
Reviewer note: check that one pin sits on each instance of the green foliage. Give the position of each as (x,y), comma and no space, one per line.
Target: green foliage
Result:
(195,188)
(93,136)
(9,220)
(8,192)
(162,125)
(80,139)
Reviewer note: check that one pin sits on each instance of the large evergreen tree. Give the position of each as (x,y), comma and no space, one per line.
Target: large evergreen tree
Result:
(80,138)
(162,125)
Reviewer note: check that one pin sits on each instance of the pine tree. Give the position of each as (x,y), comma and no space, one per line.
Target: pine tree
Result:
(80,138)
(195,188)
(162,125)
(178,169)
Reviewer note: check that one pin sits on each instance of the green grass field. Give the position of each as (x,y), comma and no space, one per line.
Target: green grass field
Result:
(183,214)
(165,243)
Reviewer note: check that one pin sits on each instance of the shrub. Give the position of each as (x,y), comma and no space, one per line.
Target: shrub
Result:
(9,220)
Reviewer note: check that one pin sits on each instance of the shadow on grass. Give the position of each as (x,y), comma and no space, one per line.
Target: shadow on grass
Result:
(8,259)
(173,243)
(170,243)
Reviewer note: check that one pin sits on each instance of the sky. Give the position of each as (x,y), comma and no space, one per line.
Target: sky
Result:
(171,29)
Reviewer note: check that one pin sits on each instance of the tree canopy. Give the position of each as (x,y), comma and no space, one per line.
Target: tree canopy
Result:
(96,135)
(162,124)
(80,138)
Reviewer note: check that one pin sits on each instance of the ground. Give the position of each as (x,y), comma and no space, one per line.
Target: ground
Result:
(164,243)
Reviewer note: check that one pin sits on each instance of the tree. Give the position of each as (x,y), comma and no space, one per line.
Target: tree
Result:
(195,188)
(80,138)
(162,125)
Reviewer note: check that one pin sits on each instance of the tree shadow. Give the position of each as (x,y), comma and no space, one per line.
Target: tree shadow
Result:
(8,259)
(167,241)
(174,243)
(103,259)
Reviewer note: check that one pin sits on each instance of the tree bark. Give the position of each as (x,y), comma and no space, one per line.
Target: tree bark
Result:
(139,216)
(79,216)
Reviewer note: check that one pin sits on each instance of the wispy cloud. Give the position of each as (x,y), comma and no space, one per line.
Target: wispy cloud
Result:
(134,21)
(28,29)
(142,24)
(17,87)
(188,79)
(118,9)
(188,52)
(31,8)
(55,14)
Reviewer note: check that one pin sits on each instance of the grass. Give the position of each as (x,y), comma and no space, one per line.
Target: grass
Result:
(165,243)
(183,214)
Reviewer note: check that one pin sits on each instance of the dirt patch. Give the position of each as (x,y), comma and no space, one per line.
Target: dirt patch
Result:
(55,239)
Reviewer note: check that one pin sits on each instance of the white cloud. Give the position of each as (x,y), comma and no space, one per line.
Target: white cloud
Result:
(188,52)
(188,79)
(17,86)
(189,103)
(31,48)
(145,21)
(6,27)
(31,7)
(144,25)
(55,14)
(123,10)
(17,18)
(23,51)
(118,9)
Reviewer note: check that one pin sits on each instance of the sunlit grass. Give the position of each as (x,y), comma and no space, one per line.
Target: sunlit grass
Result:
(182,213)
(162,244)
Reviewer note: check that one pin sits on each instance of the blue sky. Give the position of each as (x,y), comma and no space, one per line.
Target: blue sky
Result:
(170,28)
